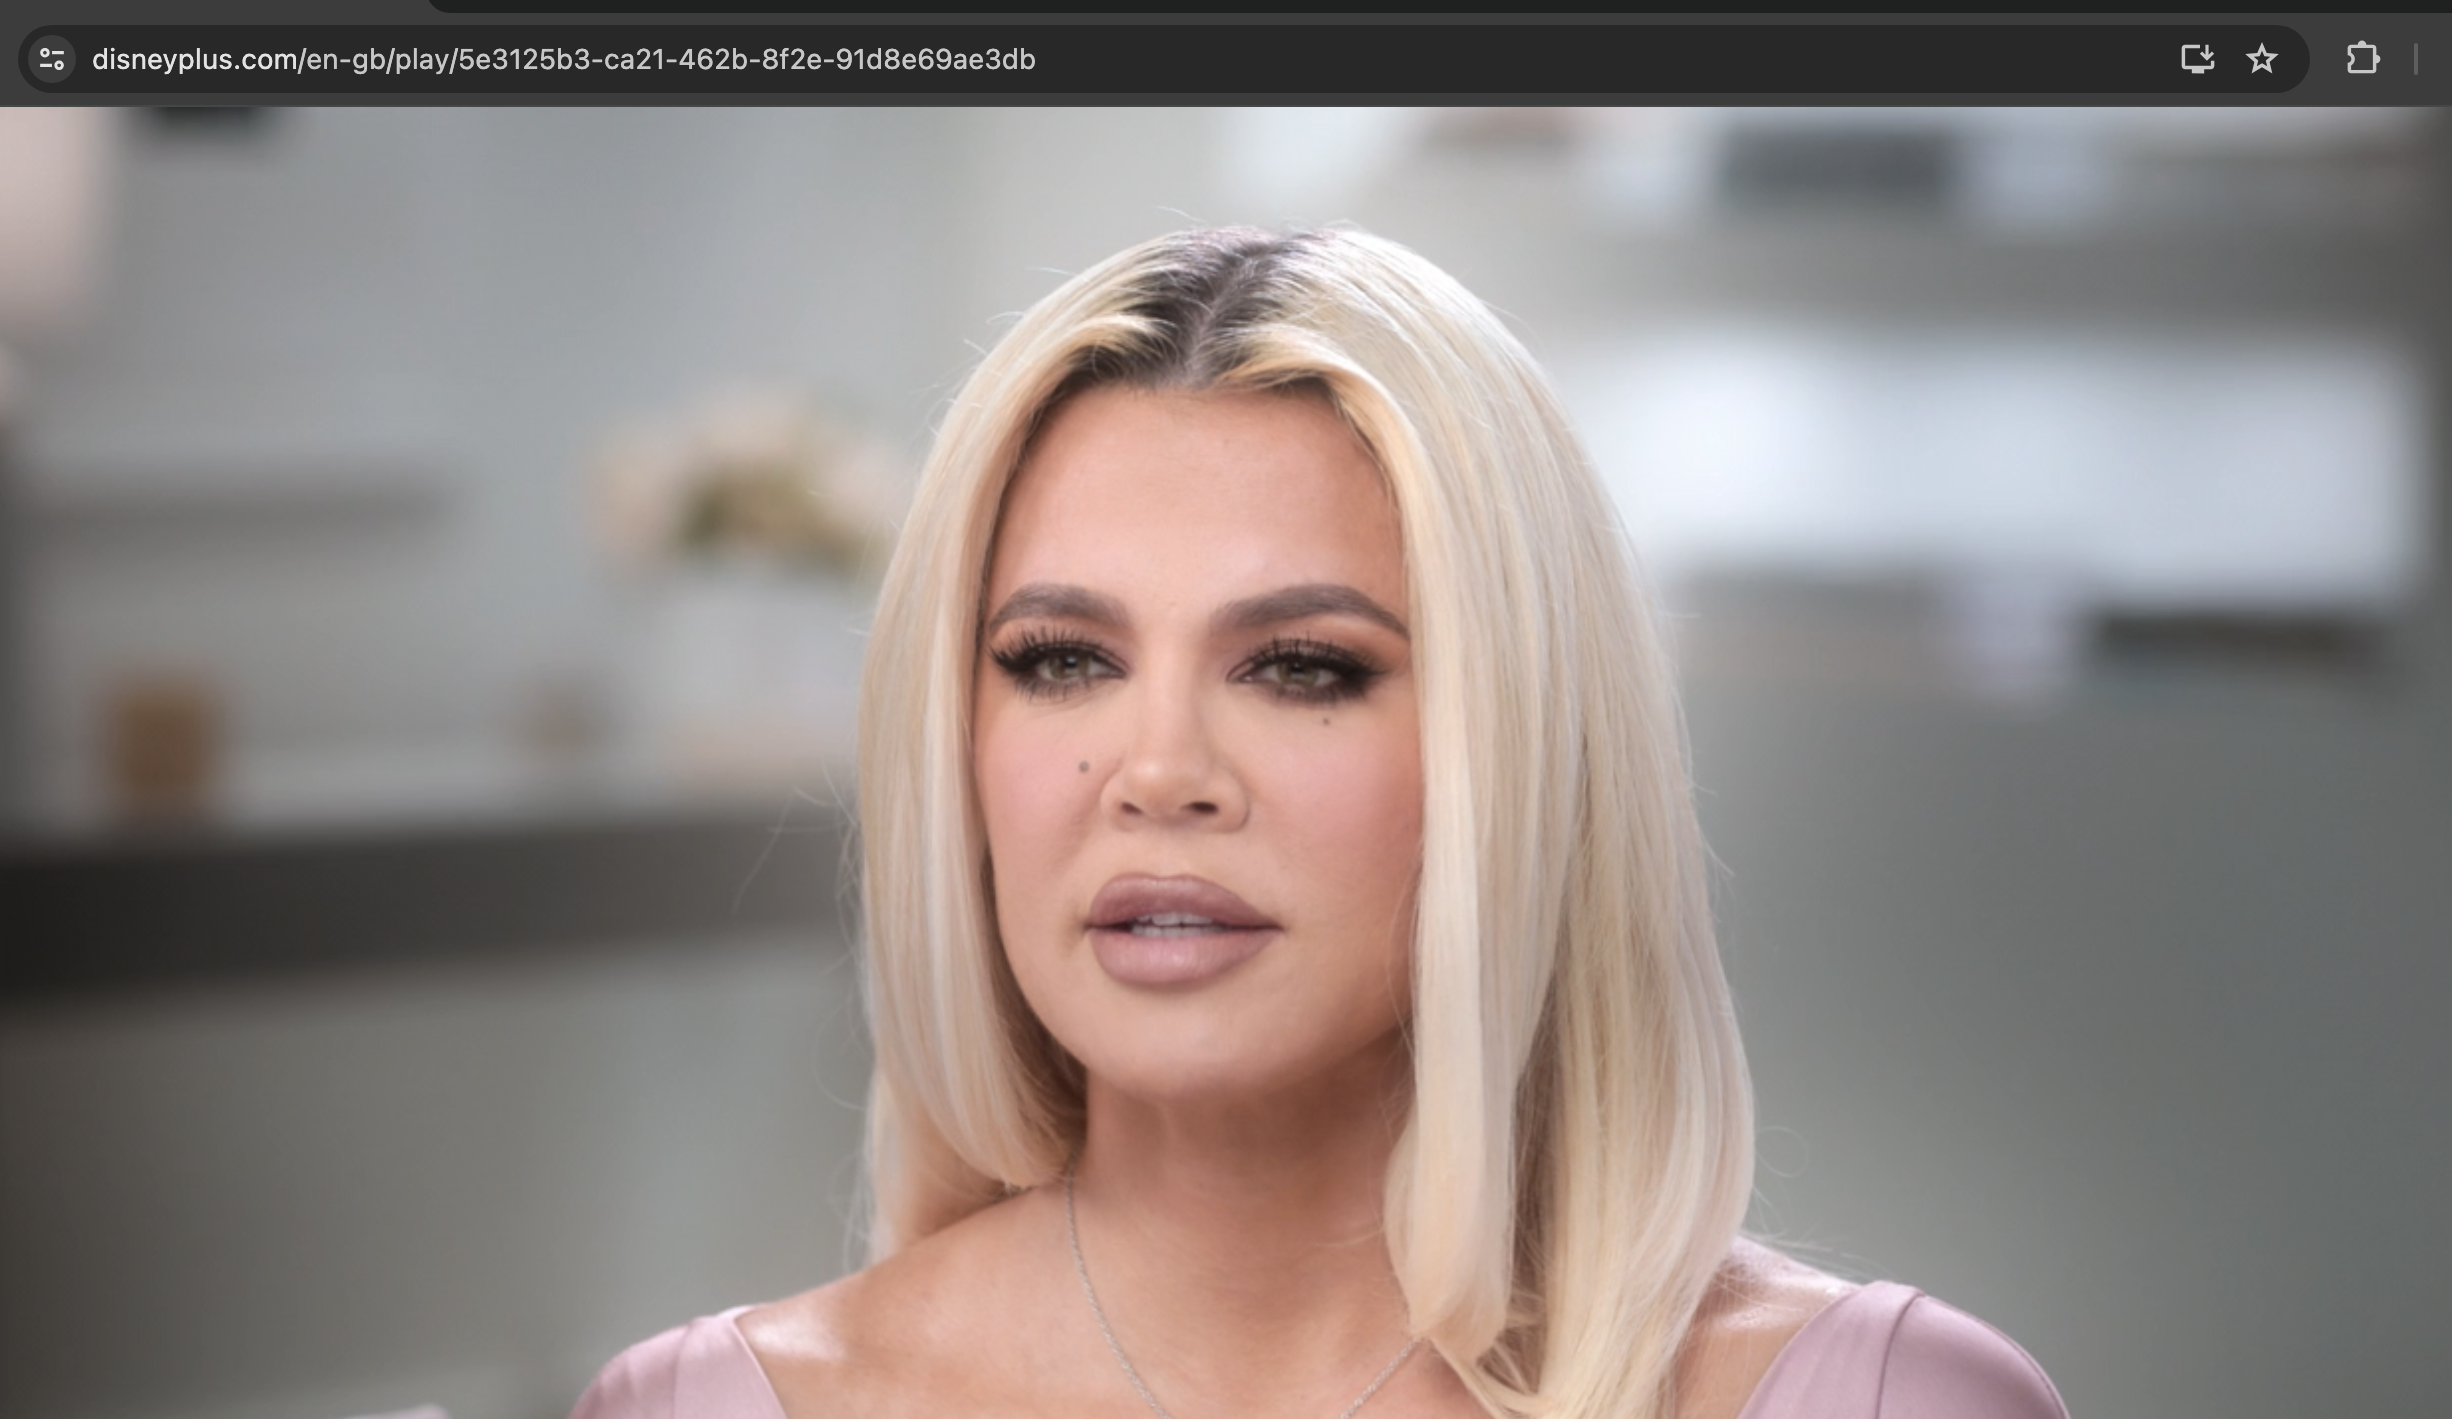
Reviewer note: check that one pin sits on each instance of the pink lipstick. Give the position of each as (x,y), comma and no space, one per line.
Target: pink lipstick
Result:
(1173,931)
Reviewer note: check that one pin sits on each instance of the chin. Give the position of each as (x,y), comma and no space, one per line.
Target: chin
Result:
(1181,1071)
(1174,1065)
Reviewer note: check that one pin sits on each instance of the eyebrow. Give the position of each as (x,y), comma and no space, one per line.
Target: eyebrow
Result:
(1295,603)
(1059,601)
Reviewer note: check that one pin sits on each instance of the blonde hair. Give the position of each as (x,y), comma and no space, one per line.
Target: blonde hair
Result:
(1580,1150)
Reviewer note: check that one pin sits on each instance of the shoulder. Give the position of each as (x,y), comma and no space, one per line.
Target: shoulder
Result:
(957,1322)
(1887,1351)
(702,1368)
(1943,1362)
(814,1347)
(1759,1302)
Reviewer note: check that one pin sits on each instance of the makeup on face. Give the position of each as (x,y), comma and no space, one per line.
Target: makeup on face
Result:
(1196,741)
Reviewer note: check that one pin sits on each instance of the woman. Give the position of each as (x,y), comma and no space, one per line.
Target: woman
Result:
(1289,953)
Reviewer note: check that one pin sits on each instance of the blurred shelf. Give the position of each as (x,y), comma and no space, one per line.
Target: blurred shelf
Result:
(405,858)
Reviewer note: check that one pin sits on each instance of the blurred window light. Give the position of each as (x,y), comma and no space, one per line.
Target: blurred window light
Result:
(2015,171)
(2024,171)
(2041,481)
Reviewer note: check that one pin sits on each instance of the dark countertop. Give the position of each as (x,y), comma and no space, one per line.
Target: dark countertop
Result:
(112,911)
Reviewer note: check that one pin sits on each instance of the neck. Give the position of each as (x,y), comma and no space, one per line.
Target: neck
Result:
(1220,1234)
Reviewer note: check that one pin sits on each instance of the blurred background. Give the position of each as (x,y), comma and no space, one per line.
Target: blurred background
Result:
(434,547)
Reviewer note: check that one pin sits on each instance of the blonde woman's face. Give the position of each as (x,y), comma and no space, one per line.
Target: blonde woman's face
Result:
(1197,742)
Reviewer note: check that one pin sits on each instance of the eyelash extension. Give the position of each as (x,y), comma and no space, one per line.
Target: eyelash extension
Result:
(1354,674)
(1021,658)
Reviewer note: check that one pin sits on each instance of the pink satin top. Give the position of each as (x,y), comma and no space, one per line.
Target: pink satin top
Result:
(1884,1351)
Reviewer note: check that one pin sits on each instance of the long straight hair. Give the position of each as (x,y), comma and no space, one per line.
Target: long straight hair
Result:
(1579,1153)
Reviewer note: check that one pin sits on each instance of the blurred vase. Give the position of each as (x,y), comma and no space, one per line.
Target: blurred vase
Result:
(162,747)
(746,675)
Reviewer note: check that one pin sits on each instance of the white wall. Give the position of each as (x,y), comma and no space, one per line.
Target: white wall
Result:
(327,434)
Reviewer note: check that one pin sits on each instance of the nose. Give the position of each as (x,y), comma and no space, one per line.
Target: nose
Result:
(1174,771)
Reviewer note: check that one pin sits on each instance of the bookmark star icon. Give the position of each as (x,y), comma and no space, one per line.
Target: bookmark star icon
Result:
(2262,59)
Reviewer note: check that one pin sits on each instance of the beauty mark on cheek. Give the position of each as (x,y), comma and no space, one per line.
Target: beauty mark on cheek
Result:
(1085,764)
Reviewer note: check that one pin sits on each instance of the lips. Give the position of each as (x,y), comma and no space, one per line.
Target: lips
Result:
(1144,904)
(1174,931)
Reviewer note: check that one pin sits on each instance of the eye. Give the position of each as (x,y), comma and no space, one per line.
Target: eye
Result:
(1045,668)
(1310,672)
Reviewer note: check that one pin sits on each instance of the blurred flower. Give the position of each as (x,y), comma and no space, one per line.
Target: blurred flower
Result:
(761,476)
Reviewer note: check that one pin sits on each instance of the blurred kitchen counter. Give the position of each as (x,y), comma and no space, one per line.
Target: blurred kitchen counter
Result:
(312,863)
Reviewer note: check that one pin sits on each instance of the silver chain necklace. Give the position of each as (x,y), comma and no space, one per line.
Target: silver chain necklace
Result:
(1072,1234)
